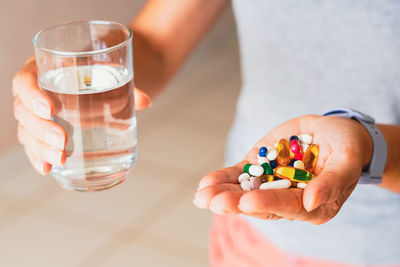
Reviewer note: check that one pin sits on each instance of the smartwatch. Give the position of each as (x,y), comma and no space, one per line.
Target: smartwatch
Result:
(372,174)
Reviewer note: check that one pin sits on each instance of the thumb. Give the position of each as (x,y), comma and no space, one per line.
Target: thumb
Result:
(142,100)
(335,179)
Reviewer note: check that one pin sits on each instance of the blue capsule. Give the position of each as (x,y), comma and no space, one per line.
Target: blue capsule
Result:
(291,163)
(273,164)
(263,151)
(294,137)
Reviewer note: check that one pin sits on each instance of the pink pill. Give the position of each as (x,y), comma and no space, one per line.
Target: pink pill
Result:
(295,146)
(298,156)
(255,183)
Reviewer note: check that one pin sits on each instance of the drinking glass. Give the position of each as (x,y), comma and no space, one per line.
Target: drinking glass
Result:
(86,69)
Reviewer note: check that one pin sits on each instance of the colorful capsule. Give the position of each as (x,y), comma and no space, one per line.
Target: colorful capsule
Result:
(301,185)
(310,157)
(294,174)
(273,164)
(245,185)
(272,154)
(280,184)
(298,164)
(253,170)
(262,160)
(243,176)
(295,146)
(263,151)
(298,156)
(255,183)
(294,137)
(267,168)
(305,139)
(283,150)
(304,147)
(291,154)
(267,178)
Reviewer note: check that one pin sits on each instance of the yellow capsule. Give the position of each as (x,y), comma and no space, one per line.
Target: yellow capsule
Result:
(283,150)
(291,154)
(310,157)
(267,178)
(294,174)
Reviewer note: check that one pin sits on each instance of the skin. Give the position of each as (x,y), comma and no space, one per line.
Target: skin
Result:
(160,47)
(345,147)
(165,32)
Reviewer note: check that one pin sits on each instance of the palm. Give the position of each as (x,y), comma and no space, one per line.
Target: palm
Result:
(338,168)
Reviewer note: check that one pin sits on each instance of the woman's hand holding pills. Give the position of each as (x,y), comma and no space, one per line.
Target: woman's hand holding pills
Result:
(345,147)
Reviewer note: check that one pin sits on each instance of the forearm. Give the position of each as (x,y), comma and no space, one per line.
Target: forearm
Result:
(164,34)
(150,67)
(391,175)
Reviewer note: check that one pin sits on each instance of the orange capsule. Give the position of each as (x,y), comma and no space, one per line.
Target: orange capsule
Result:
(310,157)
(283,150)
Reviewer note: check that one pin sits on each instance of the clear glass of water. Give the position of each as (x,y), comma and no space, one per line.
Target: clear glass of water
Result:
(86,69)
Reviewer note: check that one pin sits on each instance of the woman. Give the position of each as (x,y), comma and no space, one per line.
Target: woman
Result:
(297,58)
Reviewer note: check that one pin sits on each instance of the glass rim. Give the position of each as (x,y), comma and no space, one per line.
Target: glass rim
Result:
(85,53)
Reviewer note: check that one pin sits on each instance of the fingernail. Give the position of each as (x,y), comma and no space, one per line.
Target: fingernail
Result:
(311,203)
(148,99)
(39,166)
(245,208)
(199,204)
(308,205)
(201,186)
(41,109)
(216,210)
(53,156)
(55,139)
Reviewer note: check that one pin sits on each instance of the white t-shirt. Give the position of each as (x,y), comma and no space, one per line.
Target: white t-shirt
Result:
(307,57)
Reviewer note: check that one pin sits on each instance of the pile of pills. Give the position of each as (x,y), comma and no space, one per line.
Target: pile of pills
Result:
(289,163)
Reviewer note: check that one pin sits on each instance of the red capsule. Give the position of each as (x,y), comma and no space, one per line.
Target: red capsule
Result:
(295,146)
(298,156)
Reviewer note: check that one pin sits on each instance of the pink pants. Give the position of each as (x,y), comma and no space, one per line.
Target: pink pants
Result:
(236,244)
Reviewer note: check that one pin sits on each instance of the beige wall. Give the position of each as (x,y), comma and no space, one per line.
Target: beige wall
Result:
(21,19)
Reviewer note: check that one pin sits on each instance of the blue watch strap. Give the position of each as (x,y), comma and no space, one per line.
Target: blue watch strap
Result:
(373,174)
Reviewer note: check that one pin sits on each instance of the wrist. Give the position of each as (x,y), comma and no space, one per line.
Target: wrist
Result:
(367,143)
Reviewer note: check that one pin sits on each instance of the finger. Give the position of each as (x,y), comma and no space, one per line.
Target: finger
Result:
(226,202)
(26,88)
(278,203)
(40,150)
(142,100)
(264,216)
(45,131)
(225,175)
(281,202)
(203,197)
(40,166)
(338,177)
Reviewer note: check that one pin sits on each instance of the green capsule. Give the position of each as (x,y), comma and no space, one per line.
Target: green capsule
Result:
(246,168)
(267,168)
(294,174)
